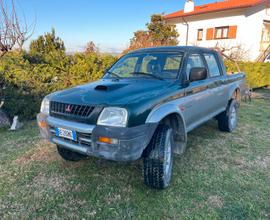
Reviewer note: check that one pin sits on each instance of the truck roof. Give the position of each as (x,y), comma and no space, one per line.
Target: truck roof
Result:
(173,49)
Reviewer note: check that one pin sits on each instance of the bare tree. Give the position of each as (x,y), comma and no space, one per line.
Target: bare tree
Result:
(13,32)
(236,52)
(222,53)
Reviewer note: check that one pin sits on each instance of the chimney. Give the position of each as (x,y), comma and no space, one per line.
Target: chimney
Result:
(189,6)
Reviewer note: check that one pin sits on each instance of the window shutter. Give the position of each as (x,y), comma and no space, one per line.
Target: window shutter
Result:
(210,34)
(232,32)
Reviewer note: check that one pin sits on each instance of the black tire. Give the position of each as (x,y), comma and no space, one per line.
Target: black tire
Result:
(158,159)
(69,155)
(227,120)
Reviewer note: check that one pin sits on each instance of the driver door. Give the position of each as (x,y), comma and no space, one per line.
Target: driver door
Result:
(197,95)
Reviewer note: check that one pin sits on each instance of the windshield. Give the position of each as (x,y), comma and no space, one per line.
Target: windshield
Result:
(158,65)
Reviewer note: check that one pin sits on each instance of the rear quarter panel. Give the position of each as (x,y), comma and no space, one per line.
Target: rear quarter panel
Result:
(236,81)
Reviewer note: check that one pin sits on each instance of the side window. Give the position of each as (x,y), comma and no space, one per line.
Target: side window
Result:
(212,65)
(194,60)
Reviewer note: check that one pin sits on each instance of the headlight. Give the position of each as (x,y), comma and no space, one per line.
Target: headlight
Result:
(45,106)
(113,116)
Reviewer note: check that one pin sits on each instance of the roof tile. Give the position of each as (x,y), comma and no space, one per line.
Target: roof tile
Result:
(217,6)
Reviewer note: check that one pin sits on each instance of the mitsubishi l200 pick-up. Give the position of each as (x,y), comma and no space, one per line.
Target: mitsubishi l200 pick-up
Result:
(143,107)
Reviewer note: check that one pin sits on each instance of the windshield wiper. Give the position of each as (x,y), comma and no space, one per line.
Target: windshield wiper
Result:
(146,74)
(114,74)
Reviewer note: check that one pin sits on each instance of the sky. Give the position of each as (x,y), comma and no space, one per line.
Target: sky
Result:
(110,24)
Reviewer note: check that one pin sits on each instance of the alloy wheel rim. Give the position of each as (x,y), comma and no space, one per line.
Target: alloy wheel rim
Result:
(233,117)
(168,159)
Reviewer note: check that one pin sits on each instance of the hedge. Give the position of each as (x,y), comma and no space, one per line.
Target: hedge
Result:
(257,74)
(28,79)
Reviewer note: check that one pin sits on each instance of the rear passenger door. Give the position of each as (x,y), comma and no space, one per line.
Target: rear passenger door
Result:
(217,88)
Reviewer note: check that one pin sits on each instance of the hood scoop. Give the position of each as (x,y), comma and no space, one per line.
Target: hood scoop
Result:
(101,88)
(110,86)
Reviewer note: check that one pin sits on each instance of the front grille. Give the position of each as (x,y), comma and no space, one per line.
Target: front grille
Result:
(83,139)
(64,109)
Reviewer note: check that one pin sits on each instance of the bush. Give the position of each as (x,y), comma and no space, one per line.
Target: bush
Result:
(258,74)
(22,103)
(28,78)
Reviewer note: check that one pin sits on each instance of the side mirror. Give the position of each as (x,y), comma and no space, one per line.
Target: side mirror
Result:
(197,74)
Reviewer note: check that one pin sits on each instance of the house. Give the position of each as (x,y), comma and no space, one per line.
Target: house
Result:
(237,26)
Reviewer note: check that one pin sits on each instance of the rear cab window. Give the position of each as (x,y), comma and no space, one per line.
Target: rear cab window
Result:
(173,62)
(214,70)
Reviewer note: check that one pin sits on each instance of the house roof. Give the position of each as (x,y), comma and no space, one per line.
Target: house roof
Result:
(216,7)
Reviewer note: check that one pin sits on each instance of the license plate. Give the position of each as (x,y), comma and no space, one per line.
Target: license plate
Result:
(65,133)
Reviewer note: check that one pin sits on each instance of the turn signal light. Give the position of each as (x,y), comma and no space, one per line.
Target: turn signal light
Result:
(108,140)
(43,124)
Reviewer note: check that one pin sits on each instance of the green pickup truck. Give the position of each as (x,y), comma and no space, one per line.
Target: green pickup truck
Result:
(143,107)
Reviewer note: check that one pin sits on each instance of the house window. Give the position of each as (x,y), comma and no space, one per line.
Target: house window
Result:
(265,35)
(221,32)
(200,34)
(267,11)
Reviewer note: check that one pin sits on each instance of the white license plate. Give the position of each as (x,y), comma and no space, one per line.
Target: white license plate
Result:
(65,133)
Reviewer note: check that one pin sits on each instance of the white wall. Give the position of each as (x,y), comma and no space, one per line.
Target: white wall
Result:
(249,29)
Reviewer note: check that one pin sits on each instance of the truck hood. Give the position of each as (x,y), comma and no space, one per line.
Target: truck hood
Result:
(107,92)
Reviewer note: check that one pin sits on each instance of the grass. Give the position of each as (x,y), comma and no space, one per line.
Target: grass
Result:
(221,176)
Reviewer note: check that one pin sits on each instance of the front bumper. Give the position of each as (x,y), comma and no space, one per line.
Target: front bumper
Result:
(131,141)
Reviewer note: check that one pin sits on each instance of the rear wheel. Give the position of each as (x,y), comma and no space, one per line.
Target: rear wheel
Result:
(69,155)
(227,120)
(158,160)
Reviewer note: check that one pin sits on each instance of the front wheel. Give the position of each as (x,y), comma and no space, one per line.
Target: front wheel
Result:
(227,120)
(158,159)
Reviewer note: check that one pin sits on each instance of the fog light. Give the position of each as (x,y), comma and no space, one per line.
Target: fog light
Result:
(108,140)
